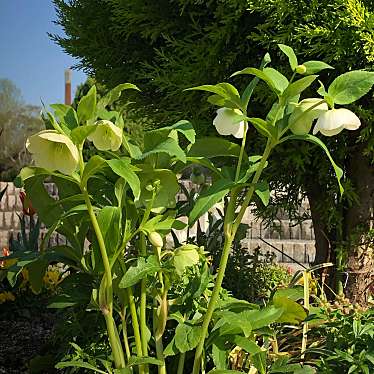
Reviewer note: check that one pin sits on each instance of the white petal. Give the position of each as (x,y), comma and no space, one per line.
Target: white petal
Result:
(222,122)
(107,136)
(238,130)
(349,120)
(332,132)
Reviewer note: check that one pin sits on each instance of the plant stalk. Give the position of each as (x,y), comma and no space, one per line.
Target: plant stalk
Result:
(231,225)
(115,343)
(306,306)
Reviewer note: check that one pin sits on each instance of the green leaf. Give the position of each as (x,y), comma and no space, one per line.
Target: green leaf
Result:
(124,169)
(214,147)
(79,364)
(247,94)
(351,86)
(262,126)
(37,271)
(263,192)
(171,349)
(233,323)
(224,371)
(209,198)
(259,74)
(187,337)
(295,293)
(94,164)
(289,52)
(248,345)
(168,187)
(313,67)
(292,311)
(87,106)
(142,269)
(109,219)
(219,355)
(297,87)
(279,81)
(170,146)
(263,317)
(66,114)
(115,94)
(79,134)
(136,361)
(184,257)
(317,141)
(184,127)
(226,90)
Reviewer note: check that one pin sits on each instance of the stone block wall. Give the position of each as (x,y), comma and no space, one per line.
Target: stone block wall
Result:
(293,243)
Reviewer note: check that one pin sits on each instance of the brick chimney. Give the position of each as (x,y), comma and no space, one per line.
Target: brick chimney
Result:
(68,86)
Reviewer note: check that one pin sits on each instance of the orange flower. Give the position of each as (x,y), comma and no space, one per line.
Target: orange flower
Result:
(5,253)
(27,207)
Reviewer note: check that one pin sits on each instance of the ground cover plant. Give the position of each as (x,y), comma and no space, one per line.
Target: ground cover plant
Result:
(163,310)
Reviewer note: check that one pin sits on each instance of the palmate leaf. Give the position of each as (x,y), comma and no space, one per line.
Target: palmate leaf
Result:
(169,146)
(115,94)
(313,139)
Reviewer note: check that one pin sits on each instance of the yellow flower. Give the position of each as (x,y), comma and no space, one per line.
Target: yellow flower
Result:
(51,278)
(107,136)
(53,151)
(6,296)
(301,121)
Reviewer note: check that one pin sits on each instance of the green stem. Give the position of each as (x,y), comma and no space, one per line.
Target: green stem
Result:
(212,302)
(182,357)
(237,174)
(231,225)
(115,343)
(306,306)
(125,336)
(143,300)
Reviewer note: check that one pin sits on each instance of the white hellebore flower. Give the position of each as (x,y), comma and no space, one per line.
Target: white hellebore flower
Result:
(107,136)
(225,122)
(300,124)
(53,151)
(334,121)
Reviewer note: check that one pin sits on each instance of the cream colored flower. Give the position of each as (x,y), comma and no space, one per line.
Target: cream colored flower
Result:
(300,120)
(334,121)
(107,136)
(53,151)
(225,122)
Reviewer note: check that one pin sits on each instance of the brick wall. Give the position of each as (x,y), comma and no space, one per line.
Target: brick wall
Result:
(294,241)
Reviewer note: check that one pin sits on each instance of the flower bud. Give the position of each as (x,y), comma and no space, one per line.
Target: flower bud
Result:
(156,239)
(300,69)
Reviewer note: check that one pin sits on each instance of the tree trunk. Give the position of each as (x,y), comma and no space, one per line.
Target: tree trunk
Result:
(358,223)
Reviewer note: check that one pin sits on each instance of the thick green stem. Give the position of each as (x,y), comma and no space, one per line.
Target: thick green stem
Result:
(182,357)
(143,300)
(135,323)
(115,342)
(212,302)
(231,225)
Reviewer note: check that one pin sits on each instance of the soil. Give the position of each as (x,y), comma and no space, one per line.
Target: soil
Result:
(25,332)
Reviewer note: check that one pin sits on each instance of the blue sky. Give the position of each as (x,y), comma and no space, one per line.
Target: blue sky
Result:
(28,57)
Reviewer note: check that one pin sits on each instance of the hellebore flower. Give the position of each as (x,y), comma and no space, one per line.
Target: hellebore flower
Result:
(107,136)
(300,124)
(225,122)
(53,151)
(334,121)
